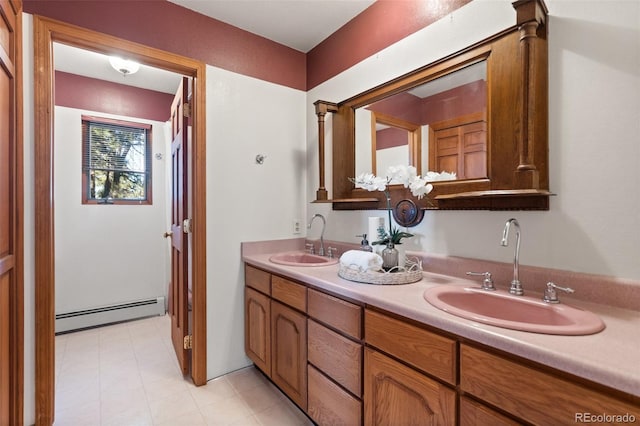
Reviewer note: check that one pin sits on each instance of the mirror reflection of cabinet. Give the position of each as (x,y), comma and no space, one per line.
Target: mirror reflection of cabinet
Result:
(497,143)
(459,145)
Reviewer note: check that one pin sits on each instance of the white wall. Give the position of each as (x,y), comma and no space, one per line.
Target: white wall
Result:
(247,201)
(593,225)
(106,254)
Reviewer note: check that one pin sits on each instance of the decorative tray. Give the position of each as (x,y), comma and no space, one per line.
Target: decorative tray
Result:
(410,273)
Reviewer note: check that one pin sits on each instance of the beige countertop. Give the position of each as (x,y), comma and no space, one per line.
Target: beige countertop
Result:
(611,357)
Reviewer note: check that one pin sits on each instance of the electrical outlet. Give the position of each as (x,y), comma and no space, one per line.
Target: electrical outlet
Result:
(296,226)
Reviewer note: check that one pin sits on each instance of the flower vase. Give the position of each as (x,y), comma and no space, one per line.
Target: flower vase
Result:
(389,257)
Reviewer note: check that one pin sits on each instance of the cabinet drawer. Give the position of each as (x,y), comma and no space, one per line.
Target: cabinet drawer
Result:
(336,356)
(258,279)
(475,414)
(289,293)
(336,313)
(535,396)
(430,352)
(329,404)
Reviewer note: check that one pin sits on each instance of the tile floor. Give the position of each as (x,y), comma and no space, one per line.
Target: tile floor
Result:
(127,375)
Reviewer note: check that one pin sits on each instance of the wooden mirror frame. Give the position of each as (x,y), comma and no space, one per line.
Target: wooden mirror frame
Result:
(414,138)
(517,125)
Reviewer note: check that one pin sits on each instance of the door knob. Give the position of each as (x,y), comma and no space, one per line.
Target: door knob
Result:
(168,234)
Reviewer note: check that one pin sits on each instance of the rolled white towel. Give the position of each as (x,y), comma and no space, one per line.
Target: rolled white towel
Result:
(364,260)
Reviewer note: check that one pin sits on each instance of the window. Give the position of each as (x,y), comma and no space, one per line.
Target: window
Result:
(116,162)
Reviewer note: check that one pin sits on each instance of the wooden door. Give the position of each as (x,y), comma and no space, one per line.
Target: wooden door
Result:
(11,287)
(257,329)
(395,394)
(289,352)
(459,145)
(178,297)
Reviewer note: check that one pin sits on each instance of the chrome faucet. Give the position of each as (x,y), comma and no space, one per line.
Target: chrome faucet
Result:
(324,224)
(516,287)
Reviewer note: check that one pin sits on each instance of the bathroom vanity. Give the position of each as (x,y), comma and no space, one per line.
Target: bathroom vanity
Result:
(351,353)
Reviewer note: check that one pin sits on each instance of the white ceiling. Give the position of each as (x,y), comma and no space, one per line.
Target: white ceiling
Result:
(96,65)
(299,24)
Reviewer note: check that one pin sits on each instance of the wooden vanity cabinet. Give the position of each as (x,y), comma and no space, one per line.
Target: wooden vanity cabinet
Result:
(534,395)
(345,364)
(473,413)
(289,352)
(257,329)
(397,393)
(335,360)
(257,321)
(276,330)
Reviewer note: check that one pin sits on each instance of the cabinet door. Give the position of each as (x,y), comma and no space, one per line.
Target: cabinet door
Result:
(395,394)
(289,352)
(257,335)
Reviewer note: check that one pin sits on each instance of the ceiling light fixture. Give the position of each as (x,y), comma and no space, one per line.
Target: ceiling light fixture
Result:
(124,66)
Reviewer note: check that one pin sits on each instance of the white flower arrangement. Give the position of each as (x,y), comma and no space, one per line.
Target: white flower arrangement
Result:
(405,175)
(409,178)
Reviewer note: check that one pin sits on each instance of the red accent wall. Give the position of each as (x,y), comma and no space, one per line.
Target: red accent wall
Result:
(403,105)
(380,25)
(456,102)
(391,137)
(90,94)
(172,28)
(462,100)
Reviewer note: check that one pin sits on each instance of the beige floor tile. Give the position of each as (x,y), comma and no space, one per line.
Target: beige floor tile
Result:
(249,421)
(282,414)
(128,375)
(173,407)
(130,416)
(80,414)
(215,390)
(246,379)
(232,410)
(193,418)
(113,403)
(165,388)
(261,397)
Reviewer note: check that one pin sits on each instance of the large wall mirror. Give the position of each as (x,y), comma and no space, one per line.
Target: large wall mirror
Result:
(439,126)
(480,114)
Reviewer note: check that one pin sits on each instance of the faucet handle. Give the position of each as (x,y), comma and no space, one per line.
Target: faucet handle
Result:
(331,251)
(310,248)
(551,295)
(487,283)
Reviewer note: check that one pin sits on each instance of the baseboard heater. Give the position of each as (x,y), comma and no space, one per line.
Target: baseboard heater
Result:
(109,314)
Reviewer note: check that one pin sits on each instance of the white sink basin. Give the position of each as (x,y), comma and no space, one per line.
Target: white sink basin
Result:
(300,258)
(505,310)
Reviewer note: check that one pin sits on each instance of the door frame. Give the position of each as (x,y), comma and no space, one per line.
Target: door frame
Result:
(45,32)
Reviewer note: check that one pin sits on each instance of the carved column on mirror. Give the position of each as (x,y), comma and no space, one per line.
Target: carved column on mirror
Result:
(322,107)
(531,21)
